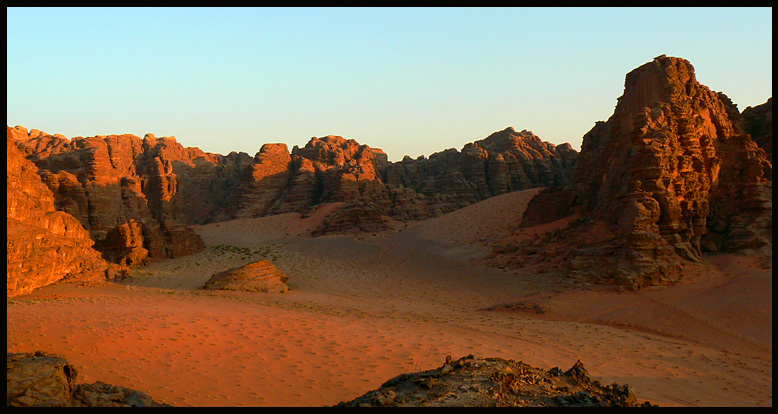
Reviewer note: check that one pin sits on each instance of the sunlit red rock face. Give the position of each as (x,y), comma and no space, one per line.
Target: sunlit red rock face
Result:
(43,245)
(266,180)
(671,175)
(125,190)
(109,181)
(334,169)
(331,169)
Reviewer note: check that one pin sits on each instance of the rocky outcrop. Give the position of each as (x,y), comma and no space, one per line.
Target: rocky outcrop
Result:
(359,216)
(124,245)
(115,183)
(503,162)
(331,169)
(758,122)
(43,245)
(107,181)
(495,382)
(100,394)
(267,179)
(671,175)
(181,240)
(344,168)
(261,276)
(374,189)
(132,243)
(41,379)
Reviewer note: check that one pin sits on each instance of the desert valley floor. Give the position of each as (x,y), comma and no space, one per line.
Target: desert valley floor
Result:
(365,308)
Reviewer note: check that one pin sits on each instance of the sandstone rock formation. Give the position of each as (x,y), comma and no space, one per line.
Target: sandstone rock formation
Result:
(358,216)
(100,394)
(259,276)
(268,178)
(758,122)
(344,168)
(124,245)
(495,382)
(671,175)
(39,379)
(117,182)
(108,181)
(503,162)
(333,169)
(43,245)
(46,380)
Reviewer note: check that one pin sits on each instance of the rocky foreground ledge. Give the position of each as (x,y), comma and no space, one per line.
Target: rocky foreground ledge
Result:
(495,382)
(41,379)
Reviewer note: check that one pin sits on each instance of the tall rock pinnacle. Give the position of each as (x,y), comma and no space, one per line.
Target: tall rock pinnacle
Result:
(672,176)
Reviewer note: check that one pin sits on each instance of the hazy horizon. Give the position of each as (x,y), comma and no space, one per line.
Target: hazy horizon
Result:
(411,81)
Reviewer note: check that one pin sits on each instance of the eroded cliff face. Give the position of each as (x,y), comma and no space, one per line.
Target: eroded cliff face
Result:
(126,191)
(330,169)
(43,245)
(758,122)
(671,175)
(135,195)
(503,162)
(373,189)
(266,181)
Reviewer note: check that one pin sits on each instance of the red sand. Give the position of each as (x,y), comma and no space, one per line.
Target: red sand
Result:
(365,309)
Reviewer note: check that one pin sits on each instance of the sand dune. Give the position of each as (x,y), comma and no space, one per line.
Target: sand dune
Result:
(364,309)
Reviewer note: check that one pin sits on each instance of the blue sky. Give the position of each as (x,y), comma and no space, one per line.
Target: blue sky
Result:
(411,81)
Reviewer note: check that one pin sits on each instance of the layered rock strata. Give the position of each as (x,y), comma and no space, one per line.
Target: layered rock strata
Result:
(261,276)
(108,181)
(44,245)
(411,189)
(670,174)
(503,162)
(123,190)
(266,180)
(758,122)
(495,382)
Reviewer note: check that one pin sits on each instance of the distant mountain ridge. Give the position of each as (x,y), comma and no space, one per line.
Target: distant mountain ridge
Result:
(134,194)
